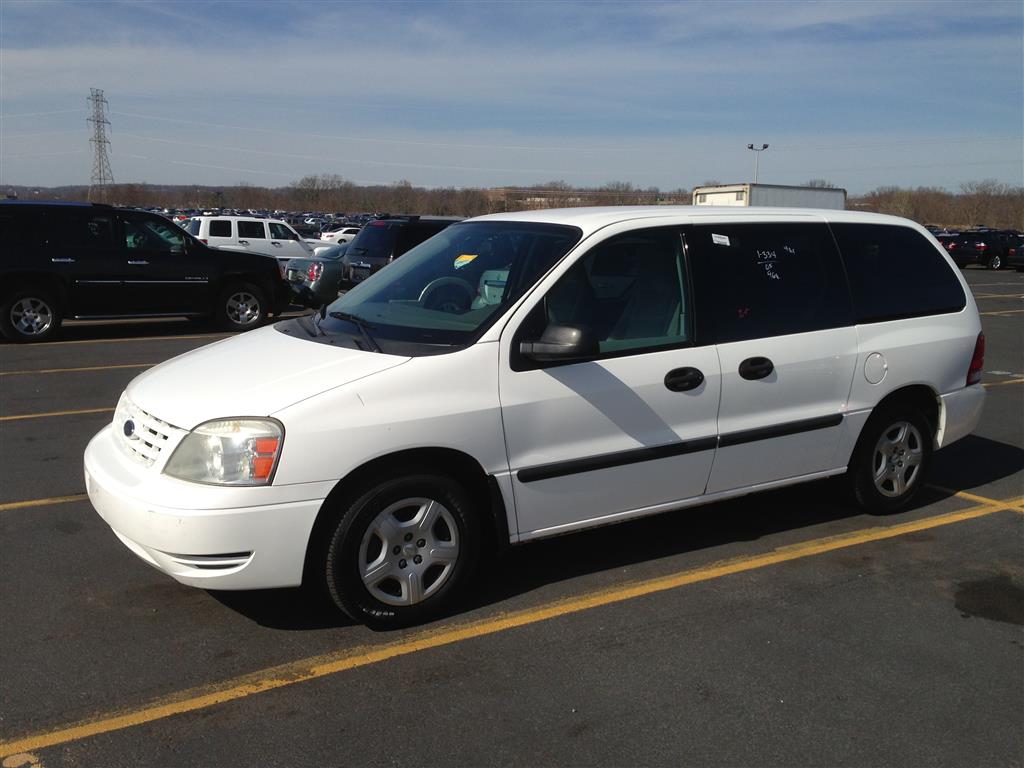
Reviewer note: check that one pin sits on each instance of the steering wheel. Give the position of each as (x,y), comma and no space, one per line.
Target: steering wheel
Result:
(447,294)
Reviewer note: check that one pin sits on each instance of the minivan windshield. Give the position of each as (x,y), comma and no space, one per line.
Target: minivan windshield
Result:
(446,291)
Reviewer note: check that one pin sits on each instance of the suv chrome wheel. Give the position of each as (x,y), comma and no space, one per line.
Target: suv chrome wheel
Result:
(409,551)
(897,459)
(243,308)
(31,316)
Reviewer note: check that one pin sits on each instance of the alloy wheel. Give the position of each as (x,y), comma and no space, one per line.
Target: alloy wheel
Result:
(243,308)
(31,316)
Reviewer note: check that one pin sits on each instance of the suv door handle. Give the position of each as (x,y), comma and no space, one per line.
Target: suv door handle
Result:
(138,263)
(683,379)
(243,242)
(274,242)
(62,261)
(754,368)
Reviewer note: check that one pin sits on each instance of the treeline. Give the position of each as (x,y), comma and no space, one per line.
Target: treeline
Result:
(987,202)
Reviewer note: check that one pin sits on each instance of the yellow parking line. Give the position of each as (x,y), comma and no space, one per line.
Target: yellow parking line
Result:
(1009,504)
(352,658)
(999,295)
(78,370)
(1002,383)
(55,413)
(42,502)
(1003,312)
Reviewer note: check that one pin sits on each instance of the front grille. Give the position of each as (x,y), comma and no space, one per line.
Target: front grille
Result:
(144,437)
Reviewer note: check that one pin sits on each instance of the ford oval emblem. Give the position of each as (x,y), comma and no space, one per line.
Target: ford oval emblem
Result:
(129,430)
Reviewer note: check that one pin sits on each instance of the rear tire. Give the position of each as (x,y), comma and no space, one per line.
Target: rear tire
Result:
(996,262)
(30,314)
(402,552)
(241,307)
(891,460)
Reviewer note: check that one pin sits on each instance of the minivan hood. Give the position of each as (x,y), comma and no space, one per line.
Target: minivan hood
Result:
(254,374)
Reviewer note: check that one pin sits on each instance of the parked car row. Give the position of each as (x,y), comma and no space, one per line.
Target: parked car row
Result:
(992,248)
(91,261)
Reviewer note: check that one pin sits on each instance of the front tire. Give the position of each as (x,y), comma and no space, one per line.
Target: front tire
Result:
(403,551)
(891,460)
(241,307)
(30,314)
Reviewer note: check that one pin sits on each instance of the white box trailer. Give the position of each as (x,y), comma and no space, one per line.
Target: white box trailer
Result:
(771,194)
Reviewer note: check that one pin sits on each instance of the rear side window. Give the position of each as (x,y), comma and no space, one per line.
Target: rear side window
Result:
(759,280)
(193,226)
(74,229)
(895,272)
(251,229)
(221,228)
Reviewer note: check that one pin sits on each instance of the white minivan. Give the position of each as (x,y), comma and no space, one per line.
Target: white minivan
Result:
(526,374)
(270,237)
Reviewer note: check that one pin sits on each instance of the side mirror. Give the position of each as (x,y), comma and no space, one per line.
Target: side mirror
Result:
(561,342)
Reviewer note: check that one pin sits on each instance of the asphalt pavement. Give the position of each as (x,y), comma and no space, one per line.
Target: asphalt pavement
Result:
(785,628)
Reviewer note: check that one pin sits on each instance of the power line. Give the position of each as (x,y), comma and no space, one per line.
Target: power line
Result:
(102,176)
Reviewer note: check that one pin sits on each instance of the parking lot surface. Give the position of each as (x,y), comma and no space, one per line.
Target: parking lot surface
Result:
(780,629)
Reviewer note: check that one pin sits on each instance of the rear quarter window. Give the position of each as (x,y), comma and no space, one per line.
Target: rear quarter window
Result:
(895,272)
(251,229)
(220,228)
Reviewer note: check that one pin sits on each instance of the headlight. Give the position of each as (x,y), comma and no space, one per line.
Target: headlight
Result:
(229,452)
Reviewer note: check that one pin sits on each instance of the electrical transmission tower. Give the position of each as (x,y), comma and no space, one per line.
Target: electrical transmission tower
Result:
(102,176)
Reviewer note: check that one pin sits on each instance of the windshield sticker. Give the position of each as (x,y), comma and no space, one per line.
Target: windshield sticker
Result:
(464,260)
(720,239)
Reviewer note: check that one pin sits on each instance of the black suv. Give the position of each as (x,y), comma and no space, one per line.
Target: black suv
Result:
(80,260)
(990,247)
(382,241)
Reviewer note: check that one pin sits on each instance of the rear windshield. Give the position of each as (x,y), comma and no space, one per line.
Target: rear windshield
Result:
(377,241)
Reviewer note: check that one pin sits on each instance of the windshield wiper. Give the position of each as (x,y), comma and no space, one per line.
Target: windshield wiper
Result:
(363,326)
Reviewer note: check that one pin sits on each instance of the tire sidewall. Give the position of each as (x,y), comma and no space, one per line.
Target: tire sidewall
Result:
(996,262)
(341,571)
(7,327)
(222,317)
(861,468)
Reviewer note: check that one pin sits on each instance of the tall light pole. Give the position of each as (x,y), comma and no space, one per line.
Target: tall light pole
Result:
(757,156)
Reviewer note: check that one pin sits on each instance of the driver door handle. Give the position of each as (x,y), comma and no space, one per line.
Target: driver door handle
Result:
(138,263)
(683,379)
(243,242)
(754,368)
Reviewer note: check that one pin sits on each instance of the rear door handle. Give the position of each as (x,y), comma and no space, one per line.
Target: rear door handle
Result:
(138,263)
(274,242)
(683,379)
(243,242)
(62,261)
(754,368)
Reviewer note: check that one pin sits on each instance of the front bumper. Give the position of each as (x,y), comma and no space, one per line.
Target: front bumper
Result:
(204,536)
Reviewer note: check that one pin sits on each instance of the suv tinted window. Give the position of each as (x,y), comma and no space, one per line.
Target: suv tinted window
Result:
(251,229)
(761,280)
(220,228)
(376,241)
(895,272)
(194,225)
(78,229)
(152,235)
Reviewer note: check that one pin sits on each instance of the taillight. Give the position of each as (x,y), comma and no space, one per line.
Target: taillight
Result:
(204,241)
(315,270)
(950,246)
(982,246)
(977,361)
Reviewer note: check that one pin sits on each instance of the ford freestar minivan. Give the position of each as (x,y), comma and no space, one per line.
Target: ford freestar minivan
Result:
(527,374)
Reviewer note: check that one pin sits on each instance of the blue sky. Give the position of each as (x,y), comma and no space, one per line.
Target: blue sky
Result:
(862,93)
